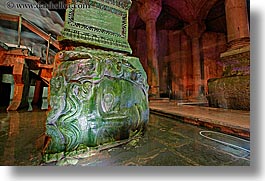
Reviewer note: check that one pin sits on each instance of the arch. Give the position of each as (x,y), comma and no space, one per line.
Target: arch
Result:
(205,8)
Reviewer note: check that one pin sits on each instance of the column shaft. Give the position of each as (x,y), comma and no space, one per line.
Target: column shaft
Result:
(153,70)
(149,11)
(195,31)
(196,67)
(236,20)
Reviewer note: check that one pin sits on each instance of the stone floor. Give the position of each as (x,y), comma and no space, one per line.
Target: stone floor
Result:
(234,122)
(167,142)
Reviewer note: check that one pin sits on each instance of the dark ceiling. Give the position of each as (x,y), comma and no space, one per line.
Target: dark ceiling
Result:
(215,20)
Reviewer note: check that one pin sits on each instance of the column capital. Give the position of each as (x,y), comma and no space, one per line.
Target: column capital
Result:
(195,29)
(149,10)
(241,42)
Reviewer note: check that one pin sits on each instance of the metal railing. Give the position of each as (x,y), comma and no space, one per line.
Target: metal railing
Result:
(22,21)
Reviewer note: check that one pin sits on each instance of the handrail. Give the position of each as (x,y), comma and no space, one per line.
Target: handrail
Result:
(31,27)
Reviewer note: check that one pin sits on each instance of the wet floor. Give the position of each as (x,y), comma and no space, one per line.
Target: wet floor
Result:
(166,142)
(21,137)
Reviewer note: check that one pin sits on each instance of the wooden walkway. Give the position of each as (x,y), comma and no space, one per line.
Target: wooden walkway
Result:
(16,58)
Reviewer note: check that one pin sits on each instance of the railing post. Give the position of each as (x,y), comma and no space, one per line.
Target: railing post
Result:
(19,30)
(48,47)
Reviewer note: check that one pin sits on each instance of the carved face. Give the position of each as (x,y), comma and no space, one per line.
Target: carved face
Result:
(104,100)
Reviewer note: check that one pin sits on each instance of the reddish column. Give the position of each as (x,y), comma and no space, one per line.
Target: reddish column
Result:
(149,11)
(194,31)
(236,20)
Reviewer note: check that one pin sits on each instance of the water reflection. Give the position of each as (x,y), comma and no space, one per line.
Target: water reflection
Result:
(22,137)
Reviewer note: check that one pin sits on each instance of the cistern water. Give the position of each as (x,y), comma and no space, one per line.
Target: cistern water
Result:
(166,142)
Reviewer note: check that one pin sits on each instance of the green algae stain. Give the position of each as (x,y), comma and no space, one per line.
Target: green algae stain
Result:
(96,101)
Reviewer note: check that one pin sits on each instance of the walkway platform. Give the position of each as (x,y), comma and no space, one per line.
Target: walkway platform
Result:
(233,122)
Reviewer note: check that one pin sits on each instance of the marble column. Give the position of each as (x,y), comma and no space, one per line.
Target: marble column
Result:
(149,11)
(194,31)
(236,20)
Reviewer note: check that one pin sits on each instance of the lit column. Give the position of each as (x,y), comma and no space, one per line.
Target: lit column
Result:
(194,31)
(236,20)
(149,11)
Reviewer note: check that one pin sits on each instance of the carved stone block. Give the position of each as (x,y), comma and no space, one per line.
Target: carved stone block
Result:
(230,92)
(99,23)
(236,62)
(96,97)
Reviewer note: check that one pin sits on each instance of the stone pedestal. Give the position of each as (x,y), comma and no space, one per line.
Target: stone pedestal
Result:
(232,90)
(96,97)
(98,94)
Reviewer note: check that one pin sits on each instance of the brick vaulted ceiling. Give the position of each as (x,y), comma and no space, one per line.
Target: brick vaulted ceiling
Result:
(176,14)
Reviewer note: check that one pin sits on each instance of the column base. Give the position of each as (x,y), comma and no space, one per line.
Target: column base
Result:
(96,98)
(232,91)
(236,61)
(239,43)
(154,92)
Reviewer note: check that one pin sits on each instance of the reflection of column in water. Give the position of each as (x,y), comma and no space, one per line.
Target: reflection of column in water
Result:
(9,79)
(38,130)
(44,104)
(13,132)
(11,93)
(30,97)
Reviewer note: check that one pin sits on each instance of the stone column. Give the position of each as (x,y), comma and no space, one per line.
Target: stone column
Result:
(236,20)
(194,31)
(232,91)
(149,11)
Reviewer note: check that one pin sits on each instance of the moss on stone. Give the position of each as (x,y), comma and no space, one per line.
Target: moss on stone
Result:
(230,92)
